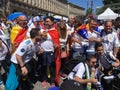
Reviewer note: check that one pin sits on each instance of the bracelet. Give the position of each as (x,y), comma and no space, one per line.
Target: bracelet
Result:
(22,65)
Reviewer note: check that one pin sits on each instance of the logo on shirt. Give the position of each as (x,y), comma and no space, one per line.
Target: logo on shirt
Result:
(22,50)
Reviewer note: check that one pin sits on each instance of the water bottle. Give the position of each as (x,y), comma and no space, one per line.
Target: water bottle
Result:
(89,86)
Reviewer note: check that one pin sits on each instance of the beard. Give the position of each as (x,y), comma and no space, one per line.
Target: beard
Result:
(37,39)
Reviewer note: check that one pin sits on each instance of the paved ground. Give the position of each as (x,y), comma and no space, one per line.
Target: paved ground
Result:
(38,86)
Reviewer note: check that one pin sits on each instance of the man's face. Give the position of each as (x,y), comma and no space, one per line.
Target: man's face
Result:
(72,20)
(92,62)
(22,21)
(93,24)
(108,27)
(48,23)
(37,23)
(100,50)
(38,37)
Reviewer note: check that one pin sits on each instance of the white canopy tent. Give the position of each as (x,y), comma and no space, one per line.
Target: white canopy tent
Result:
(108,14)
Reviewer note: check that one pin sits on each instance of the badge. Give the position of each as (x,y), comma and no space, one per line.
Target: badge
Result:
(22,50)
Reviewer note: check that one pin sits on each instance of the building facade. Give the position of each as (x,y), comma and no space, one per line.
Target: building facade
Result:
(41,7)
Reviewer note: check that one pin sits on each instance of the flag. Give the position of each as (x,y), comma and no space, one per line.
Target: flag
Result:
(83,32)
(20,36)
(14,33)
(97,30)
(17,35)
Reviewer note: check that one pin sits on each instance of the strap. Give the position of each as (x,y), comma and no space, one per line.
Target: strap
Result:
(107,58)
(5,45)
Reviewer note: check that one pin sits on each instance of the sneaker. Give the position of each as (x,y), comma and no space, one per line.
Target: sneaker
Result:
(2,86)
(63,76)
(44,84)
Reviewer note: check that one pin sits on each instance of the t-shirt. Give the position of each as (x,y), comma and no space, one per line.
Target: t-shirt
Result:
(91,47)
(47,44)
(110,41)
(78,70)
(26,49)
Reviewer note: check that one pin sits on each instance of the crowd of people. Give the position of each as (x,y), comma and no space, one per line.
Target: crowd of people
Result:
(42,49)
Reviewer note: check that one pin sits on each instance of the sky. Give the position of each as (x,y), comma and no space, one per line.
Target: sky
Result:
(83,3)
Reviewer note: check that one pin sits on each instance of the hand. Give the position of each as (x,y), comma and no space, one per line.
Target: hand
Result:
(93,80)
(41,50)
(91,39)
(24,70)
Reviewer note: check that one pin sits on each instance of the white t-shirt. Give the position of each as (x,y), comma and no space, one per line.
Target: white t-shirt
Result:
(26,49)
(78,47)
(80,71)
(110,41)
(47,44)
(70,29)
(91,47)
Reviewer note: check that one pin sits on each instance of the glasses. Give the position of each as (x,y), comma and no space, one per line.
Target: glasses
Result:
(25,21)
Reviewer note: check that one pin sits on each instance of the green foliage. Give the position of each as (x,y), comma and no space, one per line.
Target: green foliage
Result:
(89,11)
(105,2)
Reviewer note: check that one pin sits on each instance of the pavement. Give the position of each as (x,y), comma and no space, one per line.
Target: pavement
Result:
(38,86)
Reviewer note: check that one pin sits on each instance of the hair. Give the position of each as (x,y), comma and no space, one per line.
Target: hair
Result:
(79,20)
(34,32)
(117,19)
(92,19)
(89,57)
(62,29)
(108,21)
(50,17)
(98,44)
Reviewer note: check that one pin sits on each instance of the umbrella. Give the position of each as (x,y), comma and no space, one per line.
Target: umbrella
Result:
(14,15)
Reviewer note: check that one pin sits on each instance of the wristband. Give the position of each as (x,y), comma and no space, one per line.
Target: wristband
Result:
(22,65)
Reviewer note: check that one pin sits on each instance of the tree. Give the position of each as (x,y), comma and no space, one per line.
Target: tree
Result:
(105,2)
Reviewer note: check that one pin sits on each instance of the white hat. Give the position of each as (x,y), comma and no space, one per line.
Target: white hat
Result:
(36,18)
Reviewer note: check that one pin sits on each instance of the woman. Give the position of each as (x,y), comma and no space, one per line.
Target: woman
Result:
(63,44)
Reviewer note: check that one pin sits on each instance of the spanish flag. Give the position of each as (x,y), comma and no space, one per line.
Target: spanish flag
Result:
(17,35)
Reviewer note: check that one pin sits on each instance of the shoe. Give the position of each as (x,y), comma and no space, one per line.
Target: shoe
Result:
(44,84)
(63,76)
(52,85)
(2,86)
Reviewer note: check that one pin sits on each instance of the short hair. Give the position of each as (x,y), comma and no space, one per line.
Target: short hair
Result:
(92,19)
(50,17)
(98,44)
(79,20)
(89,57)
(34,32)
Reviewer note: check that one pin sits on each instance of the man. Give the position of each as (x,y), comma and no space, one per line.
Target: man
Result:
(34,24)
(110,39)
(23,55)
(93,36)
(106,63)
(78,42)
(79,77)
(18,32)
(52,31)
(70,24)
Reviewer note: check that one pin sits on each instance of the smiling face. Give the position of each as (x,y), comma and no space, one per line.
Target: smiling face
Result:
(22,21)
(108,27)
(49,23)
